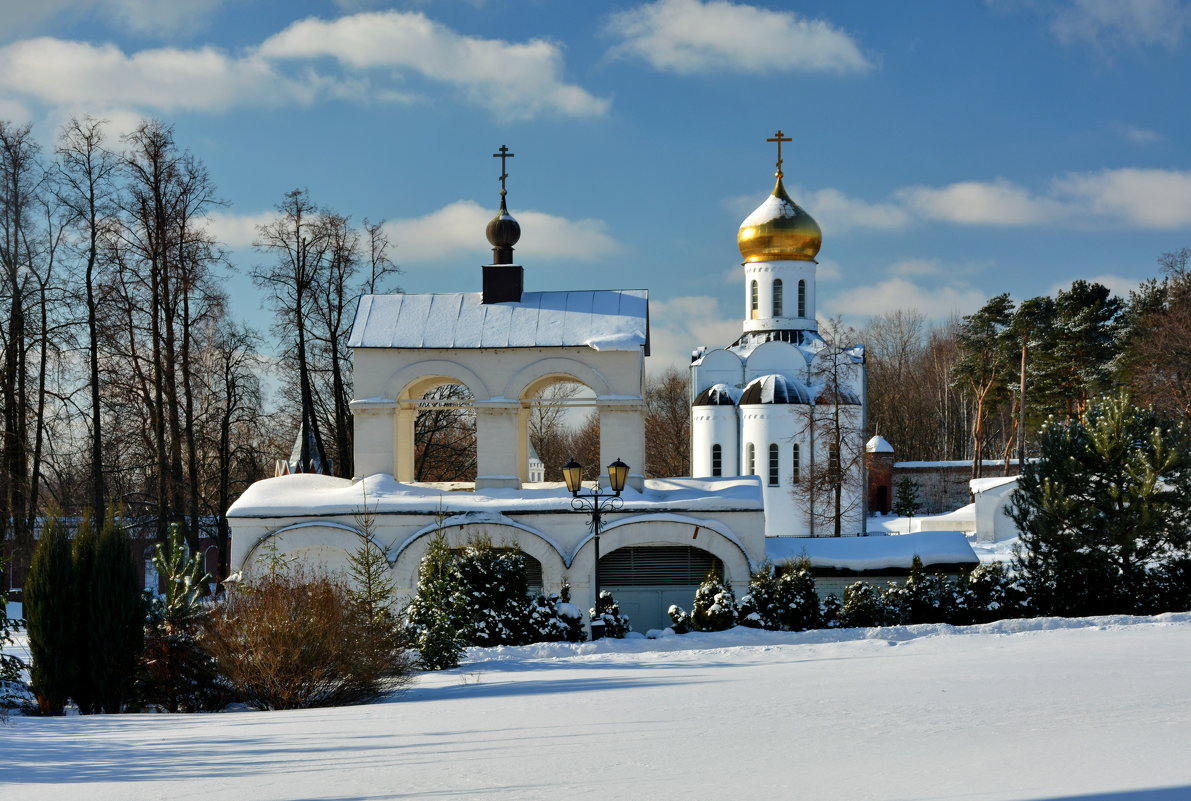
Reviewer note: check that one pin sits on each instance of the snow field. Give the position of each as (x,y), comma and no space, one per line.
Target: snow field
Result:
(1098,708)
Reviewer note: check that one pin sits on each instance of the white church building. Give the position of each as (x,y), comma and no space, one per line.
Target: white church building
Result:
(506,345)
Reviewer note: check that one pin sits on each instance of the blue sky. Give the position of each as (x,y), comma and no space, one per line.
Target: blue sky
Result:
(949,150)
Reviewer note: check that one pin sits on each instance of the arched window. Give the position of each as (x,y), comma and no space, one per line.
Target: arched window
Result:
(750,460)
(773,465)
(777,297)
(717,460)
(797,463)
(754,301)
(802,298)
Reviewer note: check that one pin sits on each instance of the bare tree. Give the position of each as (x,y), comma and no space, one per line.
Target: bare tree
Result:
(668,424)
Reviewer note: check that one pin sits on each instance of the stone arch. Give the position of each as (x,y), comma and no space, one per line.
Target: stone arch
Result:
(461,529)
(536,375)
(648,530)
(323,544)
(424,375)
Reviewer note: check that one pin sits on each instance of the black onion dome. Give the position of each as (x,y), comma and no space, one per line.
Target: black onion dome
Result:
(718,395)
(503,231)
(774,388)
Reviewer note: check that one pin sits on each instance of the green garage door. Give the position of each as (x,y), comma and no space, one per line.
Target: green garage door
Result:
(646,580)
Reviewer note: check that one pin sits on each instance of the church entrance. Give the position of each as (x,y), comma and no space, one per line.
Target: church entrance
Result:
(646,580)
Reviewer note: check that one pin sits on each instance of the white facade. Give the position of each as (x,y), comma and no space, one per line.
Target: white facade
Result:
(780,403)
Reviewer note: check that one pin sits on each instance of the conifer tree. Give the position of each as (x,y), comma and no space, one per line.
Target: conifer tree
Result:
(435,618)
(83,686)
(989,594)
(715,604)
(905,498)
(118,634)
(370,572)
(49,613)
(496,595)
(1106,506)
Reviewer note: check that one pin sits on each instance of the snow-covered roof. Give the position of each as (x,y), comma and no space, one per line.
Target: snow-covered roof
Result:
(304,494)
(982,484)
(878,444)
(602,320)
(874,553)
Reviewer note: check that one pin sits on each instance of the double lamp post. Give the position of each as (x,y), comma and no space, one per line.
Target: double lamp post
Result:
(596,503)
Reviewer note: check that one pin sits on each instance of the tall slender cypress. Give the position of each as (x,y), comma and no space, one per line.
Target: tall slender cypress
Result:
(83,686)
(118,630)
(49,615)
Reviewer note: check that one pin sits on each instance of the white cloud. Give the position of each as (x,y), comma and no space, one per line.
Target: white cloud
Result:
(680,324)
(77,74)
(936,302)
(696,36)
(1109,23)
(513,80)
(981,203)
(238,230)
(1140,136)
(1141,198)
(458,229)
(836,212)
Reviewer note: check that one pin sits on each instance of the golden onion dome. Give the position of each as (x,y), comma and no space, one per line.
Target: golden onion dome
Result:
(779,230)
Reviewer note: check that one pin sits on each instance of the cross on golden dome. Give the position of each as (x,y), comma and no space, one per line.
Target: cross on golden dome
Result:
(779,138)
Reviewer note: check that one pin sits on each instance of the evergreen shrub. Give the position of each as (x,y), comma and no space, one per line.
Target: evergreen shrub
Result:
(50,618)
(799,608)
(616,624)
(715,604)
(863,605)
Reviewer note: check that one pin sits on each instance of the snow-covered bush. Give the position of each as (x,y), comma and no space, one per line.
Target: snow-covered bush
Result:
(715,604)
(924,598)
(989,594)
(760,607)
(553,618)
(862,606)
(606,609)
(830,610)
(680,621)
(294,640)
(495,592)
(798,603)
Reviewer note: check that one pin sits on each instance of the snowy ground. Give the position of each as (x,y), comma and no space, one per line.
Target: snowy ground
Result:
(1096,709)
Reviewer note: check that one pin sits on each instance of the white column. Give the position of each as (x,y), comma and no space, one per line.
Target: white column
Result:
(374,425)
(622,436)
(497,444)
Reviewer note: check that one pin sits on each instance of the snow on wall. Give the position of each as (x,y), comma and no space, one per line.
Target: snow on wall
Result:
(874,553)
(311,494)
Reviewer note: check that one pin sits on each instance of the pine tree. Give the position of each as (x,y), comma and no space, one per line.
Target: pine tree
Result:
(1105,507)
(435,618)
(370,572)
(117,634)
(49,615)
(570,615)
(799,603)
(715,604)
(925,597)
(989,594)
(83,686)
(905,498)
(680,620)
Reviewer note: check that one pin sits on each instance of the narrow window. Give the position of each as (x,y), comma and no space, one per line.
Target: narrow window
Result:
(750,454)
(797,463)
(802,298)
(773,465)
(777,298)
(754,301)
(833,465)
(717,460)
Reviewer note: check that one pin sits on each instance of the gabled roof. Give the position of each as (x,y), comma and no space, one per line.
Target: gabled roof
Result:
(601,320)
